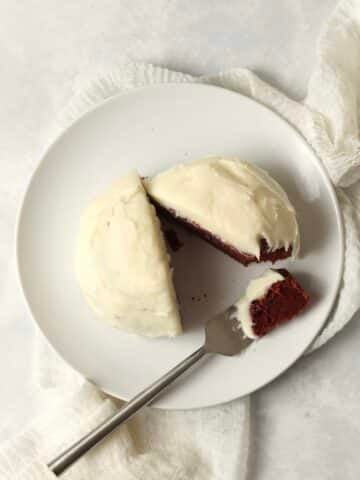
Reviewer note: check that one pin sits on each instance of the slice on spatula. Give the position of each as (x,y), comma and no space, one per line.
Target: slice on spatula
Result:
(270,300)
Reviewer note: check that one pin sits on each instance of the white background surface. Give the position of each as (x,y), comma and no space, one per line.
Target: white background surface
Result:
(306,425)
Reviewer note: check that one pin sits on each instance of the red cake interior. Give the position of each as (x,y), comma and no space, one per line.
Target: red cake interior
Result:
(265,253)
(284,300)
(172,239)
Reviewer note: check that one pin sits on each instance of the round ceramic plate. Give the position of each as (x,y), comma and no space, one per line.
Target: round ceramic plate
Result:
(151,129)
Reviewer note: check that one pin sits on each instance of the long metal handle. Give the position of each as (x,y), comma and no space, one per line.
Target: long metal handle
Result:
(78,449)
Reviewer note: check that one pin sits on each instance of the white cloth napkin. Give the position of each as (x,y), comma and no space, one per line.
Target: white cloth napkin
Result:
(209,443)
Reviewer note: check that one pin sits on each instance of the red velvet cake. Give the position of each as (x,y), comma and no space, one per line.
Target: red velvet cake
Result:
(270,300)
(232,204)
(266,254)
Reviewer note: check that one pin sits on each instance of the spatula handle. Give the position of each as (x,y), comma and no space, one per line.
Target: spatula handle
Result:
(78,449)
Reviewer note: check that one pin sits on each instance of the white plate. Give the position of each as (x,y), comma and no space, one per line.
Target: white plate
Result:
(151,129)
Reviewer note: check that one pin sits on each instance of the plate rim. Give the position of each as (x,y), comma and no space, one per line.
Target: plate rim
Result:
(72,124)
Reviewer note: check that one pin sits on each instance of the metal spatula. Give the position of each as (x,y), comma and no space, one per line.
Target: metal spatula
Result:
(222,335)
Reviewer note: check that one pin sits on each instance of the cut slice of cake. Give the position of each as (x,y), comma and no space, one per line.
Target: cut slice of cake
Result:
(232,204)
(122,264)
(270,300)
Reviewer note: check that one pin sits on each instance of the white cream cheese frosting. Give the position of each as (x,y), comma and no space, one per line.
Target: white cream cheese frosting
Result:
(122,265)
(234,200)
(256,290)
